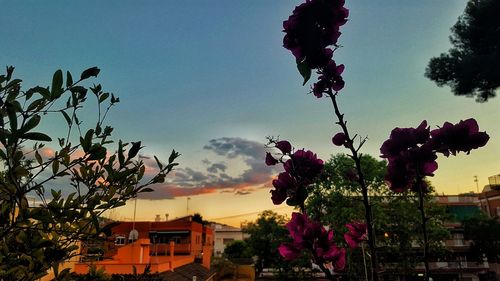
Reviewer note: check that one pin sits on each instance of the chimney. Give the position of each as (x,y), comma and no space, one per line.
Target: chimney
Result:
(158,218)
(166,217)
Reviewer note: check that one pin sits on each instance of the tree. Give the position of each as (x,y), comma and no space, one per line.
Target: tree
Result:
(472,66)
(74,179)
(483,232)
(266,234)
(335,200)
(238,250)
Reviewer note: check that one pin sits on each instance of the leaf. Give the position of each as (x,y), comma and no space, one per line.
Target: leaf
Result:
(35,104)
(55,167)
(37,137)
(38,158)
(136,146)
(11,112)
(31,123)
(97,152)
(69,79)
(121,156)
(86,142)
(158,163)
(93,71)
(147,189)
(57,82)
(173,155)
(103,97)
(304,70)
(66,116)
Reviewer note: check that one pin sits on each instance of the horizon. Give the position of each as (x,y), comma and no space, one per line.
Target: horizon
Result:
(212,81)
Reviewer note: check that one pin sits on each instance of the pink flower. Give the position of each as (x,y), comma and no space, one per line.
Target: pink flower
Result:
(311,236)
(412,152)
(356,233)
(330,79)
(284,146)
(339,139)
(461,137)
(313,27)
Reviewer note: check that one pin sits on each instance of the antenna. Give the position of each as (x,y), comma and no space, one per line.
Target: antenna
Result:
(187,205)
(477,183)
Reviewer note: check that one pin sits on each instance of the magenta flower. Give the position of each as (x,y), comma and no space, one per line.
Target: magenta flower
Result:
(313,237)
(270,160)
(285,186)
(462,137)
(301,169)
(288,251)
(339,139)
(412,152)
(284,146)
(313,27)
(356,234)
(330,79)
(304,165)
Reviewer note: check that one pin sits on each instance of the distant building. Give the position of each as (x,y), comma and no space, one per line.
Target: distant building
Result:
(225,234)
(489,199)
(163,245)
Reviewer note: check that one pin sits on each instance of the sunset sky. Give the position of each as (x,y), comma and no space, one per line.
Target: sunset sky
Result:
(211,80)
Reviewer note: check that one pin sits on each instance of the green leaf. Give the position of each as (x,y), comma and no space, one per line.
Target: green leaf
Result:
(97,152)
(55,167)
(160,165)
(304,70)
(11,112)
(136,146)
(86,142)
(69,79)
(38,157)
(93,71)
(121,156)
(31,123)
(36,137)
(103,97)
(173,155)
(66,116)
(44,92)
(147,189)
(57,82)
(35,104)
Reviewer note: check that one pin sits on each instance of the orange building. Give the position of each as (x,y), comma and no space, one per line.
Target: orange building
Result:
(163,245)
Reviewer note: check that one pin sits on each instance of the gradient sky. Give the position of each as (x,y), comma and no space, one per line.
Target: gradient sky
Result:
(210,79)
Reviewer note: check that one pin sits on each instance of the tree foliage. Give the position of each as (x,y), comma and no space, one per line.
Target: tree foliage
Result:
(73,177)
(238,249)
(266,234)
(483,233)
(336,200)
(472,66)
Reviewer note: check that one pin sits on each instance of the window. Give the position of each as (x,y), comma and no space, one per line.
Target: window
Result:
(458,239)
(120,240)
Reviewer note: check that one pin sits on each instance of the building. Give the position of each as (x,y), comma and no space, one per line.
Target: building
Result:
(489,199)
(223,235)
(459,263)
(162,245)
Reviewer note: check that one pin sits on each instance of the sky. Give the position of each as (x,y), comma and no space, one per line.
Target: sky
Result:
(211,80)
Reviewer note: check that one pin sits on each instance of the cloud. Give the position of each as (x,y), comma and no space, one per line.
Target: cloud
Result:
(216,177)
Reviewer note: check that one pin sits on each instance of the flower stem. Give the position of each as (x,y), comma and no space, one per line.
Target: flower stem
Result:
(364,189)
(424,227)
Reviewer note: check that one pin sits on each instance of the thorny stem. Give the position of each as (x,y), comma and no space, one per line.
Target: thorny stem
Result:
(364,189)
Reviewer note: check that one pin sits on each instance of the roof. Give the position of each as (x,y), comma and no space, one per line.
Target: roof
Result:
(186,273)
